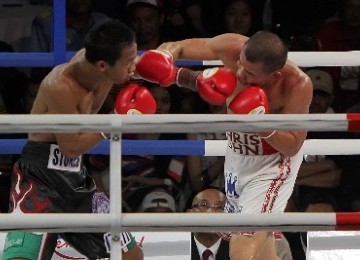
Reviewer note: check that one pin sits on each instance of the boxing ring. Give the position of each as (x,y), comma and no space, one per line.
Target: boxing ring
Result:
(116,221)
(118,124)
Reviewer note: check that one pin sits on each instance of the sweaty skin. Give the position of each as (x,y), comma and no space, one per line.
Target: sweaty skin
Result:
(79,87)
(289,89)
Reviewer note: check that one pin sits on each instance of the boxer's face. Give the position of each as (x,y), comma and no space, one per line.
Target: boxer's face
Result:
(124,67)
(250,74)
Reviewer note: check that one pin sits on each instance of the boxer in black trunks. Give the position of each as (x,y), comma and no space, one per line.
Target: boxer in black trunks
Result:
(49,176)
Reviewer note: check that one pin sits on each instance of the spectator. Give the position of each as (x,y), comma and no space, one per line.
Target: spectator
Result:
(342,34)
(194,14)
(237,17)
(323,91)
(183,19)
(79,20)
(157,200)
(210,200)
(146,18)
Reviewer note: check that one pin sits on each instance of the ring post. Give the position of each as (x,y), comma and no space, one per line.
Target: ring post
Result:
(115,186)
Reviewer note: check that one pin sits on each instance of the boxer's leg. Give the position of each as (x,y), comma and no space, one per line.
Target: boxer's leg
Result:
(259,246)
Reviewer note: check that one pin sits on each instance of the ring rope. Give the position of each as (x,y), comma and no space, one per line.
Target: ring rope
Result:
(46,59)
(179,123)
(115,221)
(196,147)
(200,222)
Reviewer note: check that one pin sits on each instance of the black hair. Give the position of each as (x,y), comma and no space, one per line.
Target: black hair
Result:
(266,48)
(106,41)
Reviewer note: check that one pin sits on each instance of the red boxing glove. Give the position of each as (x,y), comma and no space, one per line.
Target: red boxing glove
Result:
(251,100)
(135,99)
(157,66)
(216,84)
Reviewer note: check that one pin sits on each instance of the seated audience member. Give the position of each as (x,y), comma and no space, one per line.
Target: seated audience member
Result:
(323,91)
(195,15)
(79,20)
(204,245)
(183,19)
(237,17)
(157,200)
(146,18)
(212,200)
(342,34)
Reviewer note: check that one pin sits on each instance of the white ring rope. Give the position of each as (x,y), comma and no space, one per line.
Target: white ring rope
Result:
(116,222)
(182,123)
(313,59)
(46,222)
(310,147)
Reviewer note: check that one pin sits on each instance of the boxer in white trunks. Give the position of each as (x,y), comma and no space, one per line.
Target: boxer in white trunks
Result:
(260,168)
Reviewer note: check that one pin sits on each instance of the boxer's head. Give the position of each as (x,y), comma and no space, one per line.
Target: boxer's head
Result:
(111,47)
(262,56)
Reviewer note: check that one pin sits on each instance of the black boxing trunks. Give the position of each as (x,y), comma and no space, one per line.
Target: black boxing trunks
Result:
(45,181)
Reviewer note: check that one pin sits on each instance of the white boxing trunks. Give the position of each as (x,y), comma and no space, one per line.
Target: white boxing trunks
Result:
(258,179)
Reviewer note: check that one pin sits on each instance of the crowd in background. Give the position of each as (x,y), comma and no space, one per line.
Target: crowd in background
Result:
(169,183)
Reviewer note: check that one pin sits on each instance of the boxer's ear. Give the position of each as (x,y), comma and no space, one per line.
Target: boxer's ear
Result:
(100,65)
(277,74)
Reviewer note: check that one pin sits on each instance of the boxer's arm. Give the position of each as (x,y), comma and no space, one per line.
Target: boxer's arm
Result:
(289,142)
(214,85)
(61,100)
(224,46)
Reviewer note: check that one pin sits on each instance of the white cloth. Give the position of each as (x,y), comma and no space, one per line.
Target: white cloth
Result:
(257,179)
